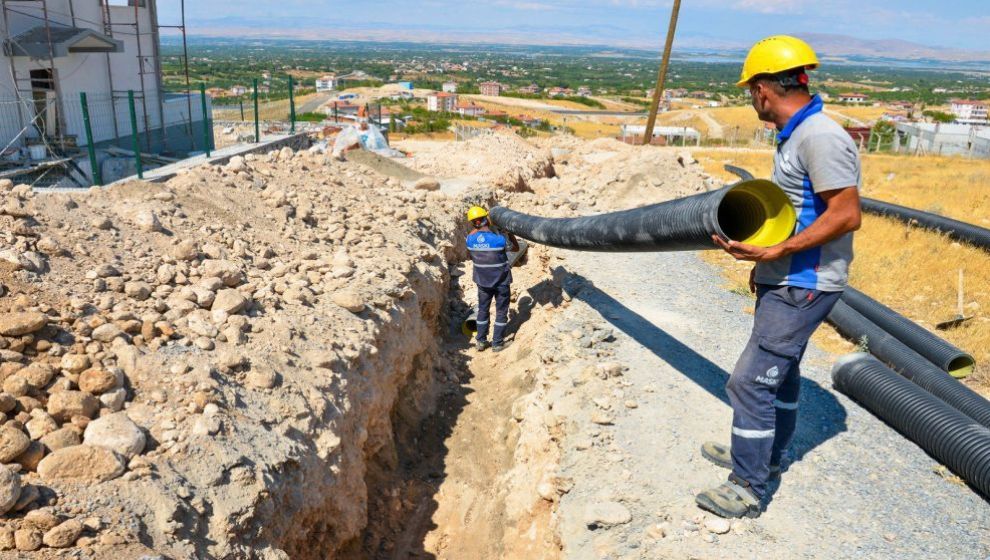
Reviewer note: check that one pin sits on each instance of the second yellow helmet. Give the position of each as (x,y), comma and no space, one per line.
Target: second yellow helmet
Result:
(476,213)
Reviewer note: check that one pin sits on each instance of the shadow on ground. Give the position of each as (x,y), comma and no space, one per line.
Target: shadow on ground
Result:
(822,417)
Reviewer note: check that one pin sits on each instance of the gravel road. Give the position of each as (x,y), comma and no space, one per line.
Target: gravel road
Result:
(857,489)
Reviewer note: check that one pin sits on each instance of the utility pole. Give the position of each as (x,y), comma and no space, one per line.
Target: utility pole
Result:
(662,77)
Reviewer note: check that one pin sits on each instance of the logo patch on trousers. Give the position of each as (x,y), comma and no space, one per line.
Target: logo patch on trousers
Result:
(771,377)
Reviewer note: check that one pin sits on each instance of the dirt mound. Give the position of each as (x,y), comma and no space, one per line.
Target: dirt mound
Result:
(181,360)
(500,160)
(609,175)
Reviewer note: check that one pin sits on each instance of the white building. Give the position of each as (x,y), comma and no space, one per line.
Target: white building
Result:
(441,102)
(942,139)
(672,135)
(450,87)
(969,112)
(237,91)
(103,48)
(853,98)
(328,83)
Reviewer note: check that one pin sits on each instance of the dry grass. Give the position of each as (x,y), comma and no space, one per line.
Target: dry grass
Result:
(913,271)
(270,111)
(867,114)
(732,118)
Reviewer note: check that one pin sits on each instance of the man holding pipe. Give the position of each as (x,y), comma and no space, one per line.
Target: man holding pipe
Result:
(796,282)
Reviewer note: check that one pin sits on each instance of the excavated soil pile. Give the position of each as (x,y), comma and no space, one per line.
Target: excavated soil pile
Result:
(501,160)
(206,367)
(234,364)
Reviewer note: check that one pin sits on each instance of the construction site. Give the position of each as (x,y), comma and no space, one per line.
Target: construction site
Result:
(265,350)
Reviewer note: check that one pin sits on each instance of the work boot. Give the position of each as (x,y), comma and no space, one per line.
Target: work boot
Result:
(732,499)
(499,346)
(481,345)
(721,455)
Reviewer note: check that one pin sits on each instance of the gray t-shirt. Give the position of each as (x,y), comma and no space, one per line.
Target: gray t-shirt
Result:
(816,155)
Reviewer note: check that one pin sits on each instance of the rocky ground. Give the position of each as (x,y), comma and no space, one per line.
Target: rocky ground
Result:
(263,360)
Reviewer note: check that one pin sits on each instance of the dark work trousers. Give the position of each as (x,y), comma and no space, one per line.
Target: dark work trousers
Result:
(763,389)
(500,294)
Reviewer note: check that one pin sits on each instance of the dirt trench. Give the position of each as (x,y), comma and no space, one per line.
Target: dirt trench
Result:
(468,449)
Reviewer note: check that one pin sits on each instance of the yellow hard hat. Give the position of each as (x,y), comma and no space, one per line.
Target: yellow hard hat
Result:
(476,213)
(777,54)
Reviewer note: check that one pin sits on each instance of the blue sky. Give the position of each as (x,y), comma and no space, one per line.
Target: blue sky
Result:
(952,23)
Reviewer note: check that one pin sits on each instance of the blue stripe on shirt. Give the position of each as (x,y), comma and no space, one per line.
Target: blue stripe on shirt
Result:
(803,271)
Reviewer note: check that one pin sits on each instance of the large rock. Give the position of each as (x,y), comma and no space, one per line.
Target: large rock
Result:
(106,332)
(19,324)
(63,535)
(228,272)
(75,363)
(115,432)
(229,301)
(10,489)
(13,442)
(81,463)
(61,438)
(606,514)
(147,221)
(349,300)
(97,381)
(63,405)
(37,375)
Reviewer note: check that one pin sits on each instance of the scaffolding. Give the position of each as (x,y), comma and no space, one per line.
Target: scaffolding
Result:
(25,87)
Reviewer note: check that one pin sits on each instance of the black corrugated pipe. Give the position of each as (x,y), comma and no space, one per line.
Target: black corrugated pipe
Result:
(756,212)
(936,350)
(955,229)
(945,433)
(909,363)
(739,172)
(974,235)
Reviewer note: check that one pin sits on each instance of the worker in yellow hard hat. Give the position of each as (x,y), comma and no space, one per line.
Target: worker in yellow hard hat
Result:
(796,282)
(492,274)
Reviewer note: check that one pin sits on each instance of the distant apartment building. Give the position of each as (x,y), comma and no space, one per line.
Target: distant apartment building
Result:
(584,91)
(264,89)
(327,83)
(441,102)
(469,110)
(237,91)
(490,88)
(560,92)
(853,98)
(531,89)
(968,111)
(450,87)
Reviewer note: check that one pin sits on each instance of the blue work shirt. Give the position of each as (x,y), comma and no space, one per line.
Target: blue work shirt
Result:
(489,252)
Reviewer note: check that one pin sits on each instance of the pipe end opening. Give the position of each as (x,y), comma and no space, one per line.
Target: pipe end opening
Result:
(961,367)
(469,327)
(758,213)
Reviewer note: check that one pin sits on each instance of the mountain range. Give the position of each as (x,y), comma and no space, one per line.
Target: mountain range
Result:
(829,45)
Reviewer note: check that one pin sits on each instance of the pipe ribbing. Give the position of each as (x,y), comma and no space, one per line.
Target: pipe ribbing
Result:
(934,349)
(944,432)
(955,229)
(909,363)
(755,212)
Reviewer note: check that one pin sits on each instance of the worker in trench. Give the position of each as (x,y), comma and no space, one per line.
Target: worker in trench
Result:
(796,282)
(493,275)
